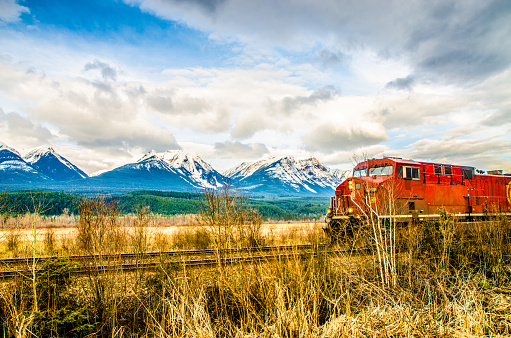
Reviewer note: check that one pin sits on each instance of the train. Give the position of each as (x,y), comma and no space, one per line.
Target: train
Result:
(404,191)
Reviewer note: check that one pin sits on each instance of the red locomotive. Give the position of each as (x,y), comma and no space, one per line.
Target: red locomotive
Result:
(404,190)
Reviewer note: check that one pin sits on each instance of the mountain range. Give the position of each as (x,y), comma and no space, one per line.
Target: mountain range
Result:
(174,170)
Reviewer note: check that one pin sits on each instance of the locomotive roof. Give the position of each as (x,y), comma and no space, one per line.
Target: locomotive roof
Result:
(401,161)
(386,160)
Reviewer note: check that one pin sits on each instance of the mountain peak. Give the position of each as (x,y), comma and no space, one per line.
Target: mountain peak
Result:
(6,147)
(38,152)
(150,154)
(47,161)
(177,158)
(285,175)
(190,166)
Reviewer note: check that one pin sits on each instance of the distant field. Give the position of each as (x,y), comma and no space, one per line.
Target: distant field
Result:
(58,234)
(159,227)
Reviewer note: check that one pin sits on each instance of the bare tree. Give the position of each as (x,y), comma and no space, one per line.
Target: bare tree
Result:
(229,218)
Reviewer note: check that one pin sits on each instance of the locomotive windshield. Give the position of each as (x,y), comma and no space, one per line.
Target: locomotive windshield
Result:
(360,172)
(381,170)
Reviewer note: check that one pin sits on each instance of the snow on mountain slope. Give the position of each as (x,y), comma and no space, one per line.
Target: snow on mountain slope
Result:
(307,176)
(340,174)
(50,163)
(14,169)
(4,147)
(246,169)
(172,170)
(190,166)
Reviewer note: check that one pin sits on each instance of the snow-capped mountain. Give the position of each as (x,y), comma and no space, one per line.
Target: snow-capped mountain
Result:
(46,161)
(285,175)
(340,174)
(149,172)
(14,169)
(171,170)
(190,166)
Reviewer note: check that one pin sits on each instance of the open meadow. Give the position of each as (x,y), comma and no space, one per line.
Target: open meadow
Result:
(57,235)
(440,279)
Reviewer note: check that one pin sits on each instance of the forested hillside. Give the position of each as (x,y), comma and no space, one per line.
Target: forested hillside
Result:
(159,202)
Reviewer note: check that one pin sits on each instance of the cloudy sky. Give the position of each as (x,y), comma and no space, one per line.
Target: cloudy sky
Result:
(104,81)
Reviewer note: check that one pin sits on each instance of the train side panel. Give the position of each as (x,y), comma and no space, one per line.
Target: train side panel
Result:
(419,188)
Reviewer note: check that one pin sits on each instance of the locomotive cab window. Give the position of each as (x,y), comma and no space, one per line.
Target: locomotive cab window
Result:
(381,170)
(410,173)
(360,172)
(438,169)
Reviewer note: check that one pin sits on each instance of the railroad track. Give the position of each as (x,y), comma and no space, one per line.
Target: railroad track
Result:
(276,253)
(146,255)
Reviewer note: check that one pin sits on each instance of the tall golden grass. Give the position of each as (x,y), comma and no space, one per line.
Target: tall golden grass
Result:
(451,280)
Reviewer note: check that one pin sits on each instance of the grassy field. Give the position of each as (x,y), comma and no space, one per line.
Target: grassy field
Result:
(440,279)
(57,235)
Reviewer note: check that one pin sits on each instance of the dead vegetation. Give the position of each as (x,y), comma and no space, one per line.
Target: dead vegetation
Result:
(447,280)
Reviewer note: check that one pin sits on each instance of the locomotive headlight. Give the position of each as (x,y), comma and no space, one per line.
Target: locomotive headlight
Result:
(329,212)
(350,185)
(350,210)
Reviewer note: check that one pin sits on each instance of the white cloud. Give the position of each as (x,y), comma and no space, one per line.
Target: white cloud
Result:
(229,149)
(322,78)
(482,153)
(332,137)
(450,41)
(22,131)
(10,11)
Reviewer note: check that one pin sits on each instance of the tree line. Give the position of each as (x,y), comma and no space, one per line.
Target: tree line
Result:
(52,203)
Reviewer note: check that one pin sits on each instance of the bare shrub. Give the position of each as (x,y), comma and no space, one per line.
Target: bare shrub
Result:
(229,219)
(13,241)
(50,241)
(98,221)
(140,232)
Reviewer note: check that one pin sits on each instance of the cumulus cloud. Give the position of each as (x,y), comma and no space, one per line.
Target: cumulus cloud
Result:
(208,6)
(405,109)
(273,96)
(484,154)
(325,93)
(334,136)
(161,103)
(94,115)
(451,41)
(327,57)
(249,123)
(347,159)
(281,113)
(402,83)
(19,130)
(434,149)
(231,149)
(172,103)
(107,72)
(10,10)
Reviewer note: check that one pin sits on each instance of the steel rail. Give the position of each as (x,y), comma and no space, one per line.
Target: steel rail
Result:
(131,255)
(129,267)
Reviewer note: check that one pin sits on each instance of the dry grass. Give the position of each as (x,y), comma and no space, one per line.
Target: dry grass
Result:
(60,235)
(450,282)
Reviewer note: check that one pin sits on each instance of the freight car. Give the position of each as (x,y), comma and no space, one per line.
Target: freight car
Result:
(405,190)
